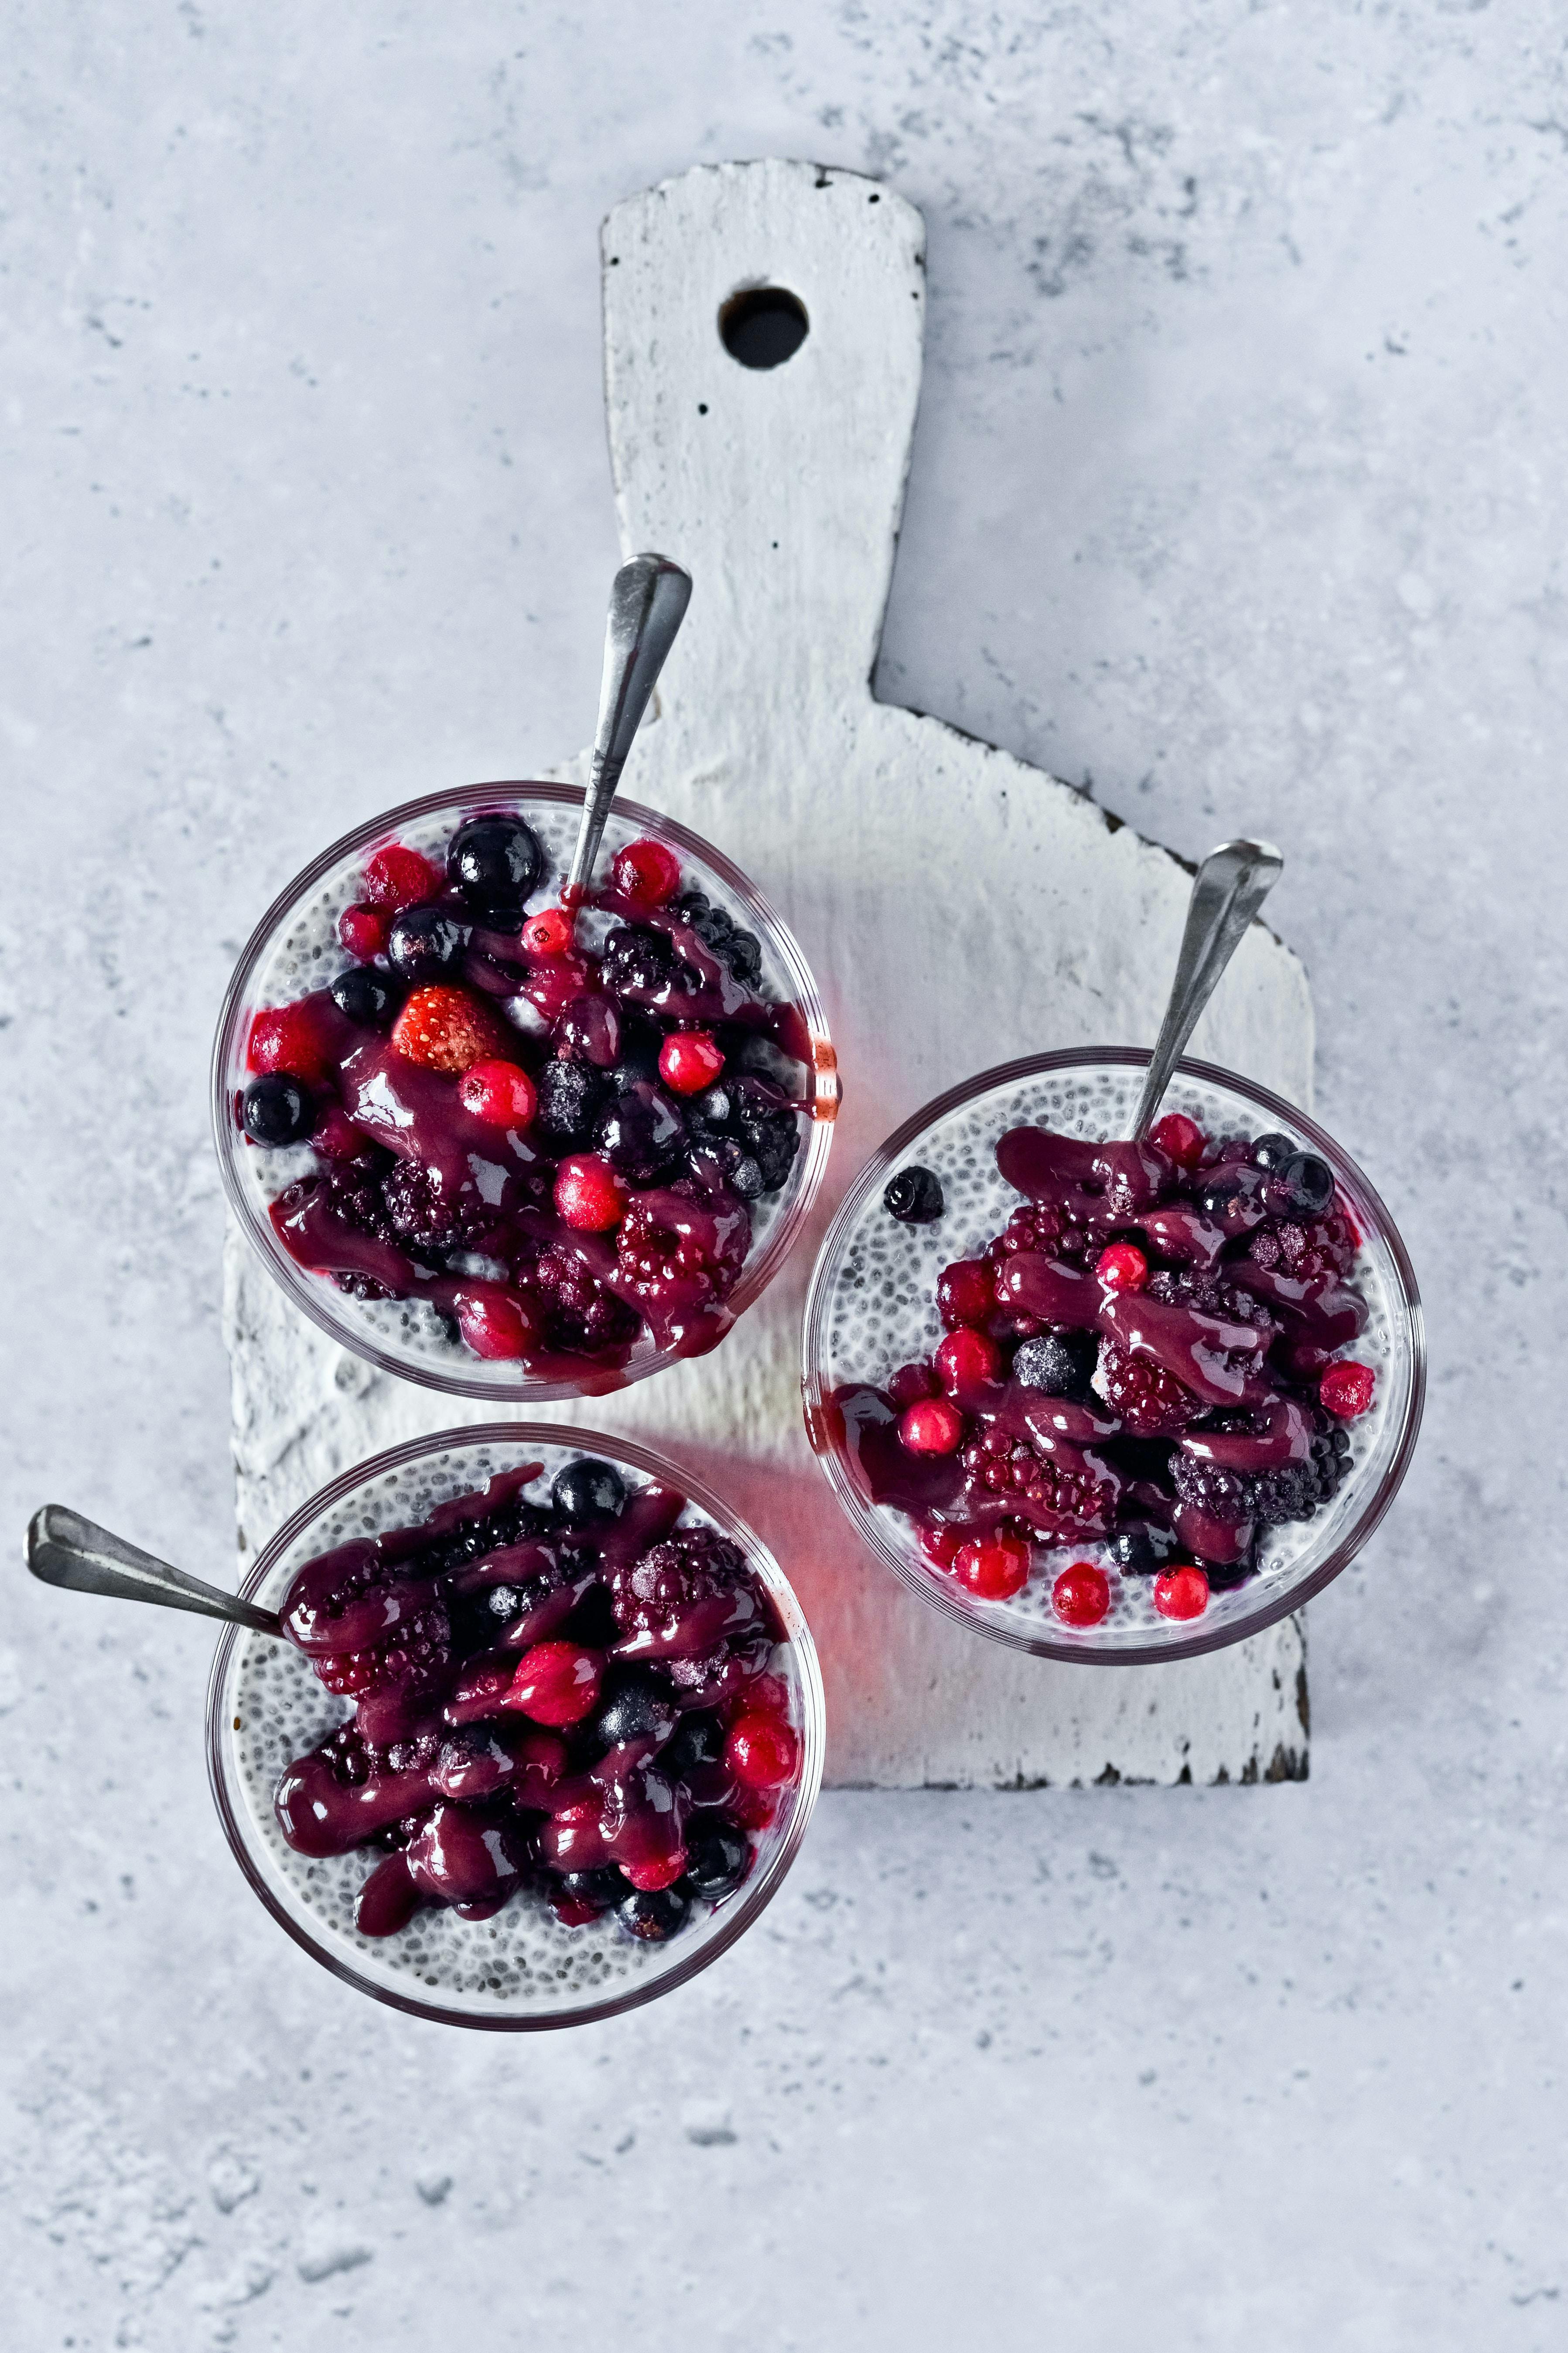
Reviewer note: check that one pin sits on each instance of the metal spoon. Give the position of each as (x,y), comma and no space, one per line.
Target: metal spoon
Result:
(1228,889)
(648,604)
(65,1550)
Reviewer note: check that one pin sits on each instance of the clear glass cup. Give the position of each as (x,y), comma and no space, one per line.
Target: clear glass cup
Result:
(871,1307)
(295,948)
(520,1971)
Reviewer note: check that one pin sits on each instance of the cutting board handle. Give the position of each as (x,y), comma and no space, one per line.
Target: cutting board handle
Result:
(778,488)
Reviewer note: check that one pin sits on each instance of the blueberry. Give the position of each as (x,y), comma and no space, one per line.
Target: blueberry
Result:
(588,1492)
(503,1601)
(652,1916)
(641,1040)
(1272,1151)
(699,1740)
(744,957)
(740,1170)
(1214,1199)
(640,1705)
(716,1858)
(278,1109)
(425,942)
(365,995)
(641,1134)
(768,1128)
(1141,1552)
(1059,1364)
(1304,1188)
(914,1197)
(570,1097)
(714,1107)
(493,862)
(601,1888)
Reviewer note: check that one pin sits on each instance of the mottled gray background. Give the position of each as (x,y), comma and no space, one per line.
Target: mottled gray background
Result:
(1237,500)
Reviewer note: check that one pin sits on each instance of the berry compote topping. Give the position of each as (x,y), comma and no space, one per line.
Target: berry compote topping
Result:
(587,1127)
(1146,1360)
(577,1696)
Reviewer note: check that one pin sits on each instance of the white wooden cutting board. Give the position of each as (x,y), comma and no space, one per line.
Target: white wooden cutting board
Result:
(957,907)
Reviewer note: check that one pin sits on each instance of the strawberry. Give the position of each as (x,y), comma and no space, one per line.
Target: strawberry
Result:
(446,1029)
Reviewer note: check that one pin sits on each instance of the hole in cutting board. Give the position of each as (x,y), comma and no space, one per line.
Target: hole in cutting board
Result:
(762,326)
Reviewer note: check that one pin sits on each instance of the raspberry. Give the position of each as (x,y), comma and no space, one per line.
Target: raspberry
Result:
(499,1093)
(966,1358)
(1122,1267)
(557,1683)
(1181,1137)
(966,1293)
(680,1592)
(446,1029)
(1060,1502)
(494,1321)
(589,1196)
(579,1311)
(548,934)
(661,1245)
(646,872)
(690,1061)
(994,1571)
(1182,1593)
(1081,1594)
(363,931)
(1149,1400)
(762,1751)
(294,1038)
(931,1426)
(396,878)
(1346,1390)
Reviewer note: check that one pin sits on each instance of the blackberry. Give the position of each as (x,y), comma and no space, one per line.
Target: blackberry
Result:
(354,1193)
(1059,1364)
(581,1314)
(738,1168)
(1292,1492)
(637,961)
(570,1097)
(914,1197)
(769,1130)
(718,932)
(428,1221)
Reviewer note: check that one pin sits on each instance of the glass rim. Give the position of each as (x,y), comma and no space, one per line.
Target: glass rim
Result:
(314,1293)
(864,1515)
(756,1892)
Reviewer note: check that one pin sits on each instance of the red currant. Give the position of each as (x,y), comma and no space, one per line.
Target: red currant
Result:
(995,1570)
(689,1060)
(931,1426)
(1081,1594)
(911,1383)
(1181,1137)
(493,1321)
(762,1751)
(557,1683)
(499,1093)
(1346,1390)
(1122,1267)
(966,1293)
(966,1358)
(589,1196)
(363,931)
(1182,1593)
(396,877)
(646,872)
(663,1871)
(938,1545)
(548,934)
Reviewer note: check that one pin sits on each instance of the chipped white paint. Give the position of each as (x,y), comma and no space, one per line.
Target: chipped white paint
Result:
(957,906)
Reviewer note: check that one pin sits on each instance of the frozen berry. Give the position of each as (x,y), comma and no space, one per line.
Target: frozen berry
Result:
(363,931)
(1272,1151)
(1303,1188)
(1182,1592)
(1181,1137)
(294,1038)
(931,1426)
(570,1097)
(689,1060)
(549,933)
(966,1358)
(396,877)
(994,1571)
(588,1492)
(557,1683)
(718,1857)
(966,1293)
(1058,1364)
(425,943)
(762,1751)
(448,1029)
(499,1093)
(638,1705)
(1081,1594)
(589,1196)
(1346,1390)
(1122,1267)
(278,1109)
(366,997)
(646,872)
(914,1197)
(493,863)
(652,1916)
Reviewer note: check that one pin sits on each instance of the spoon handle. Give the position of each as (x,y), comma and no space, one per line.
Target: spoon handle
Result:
(648,604)
(65,1550)
(1229,888)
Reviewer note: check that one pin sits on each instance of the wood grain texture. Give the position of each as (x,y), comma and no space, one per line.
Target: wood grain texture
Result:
(957,906)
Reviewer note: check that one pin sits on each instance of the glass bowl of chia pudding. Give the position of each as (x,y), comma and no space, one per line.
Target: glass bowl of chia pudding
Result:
(543,1736)
(1107,1401)
(509,1150)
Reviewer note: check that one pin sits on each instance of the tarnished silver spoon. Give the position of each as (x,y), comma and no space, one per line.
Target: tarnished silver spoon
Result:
(65,1550)
(1227,890)
(648,604)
